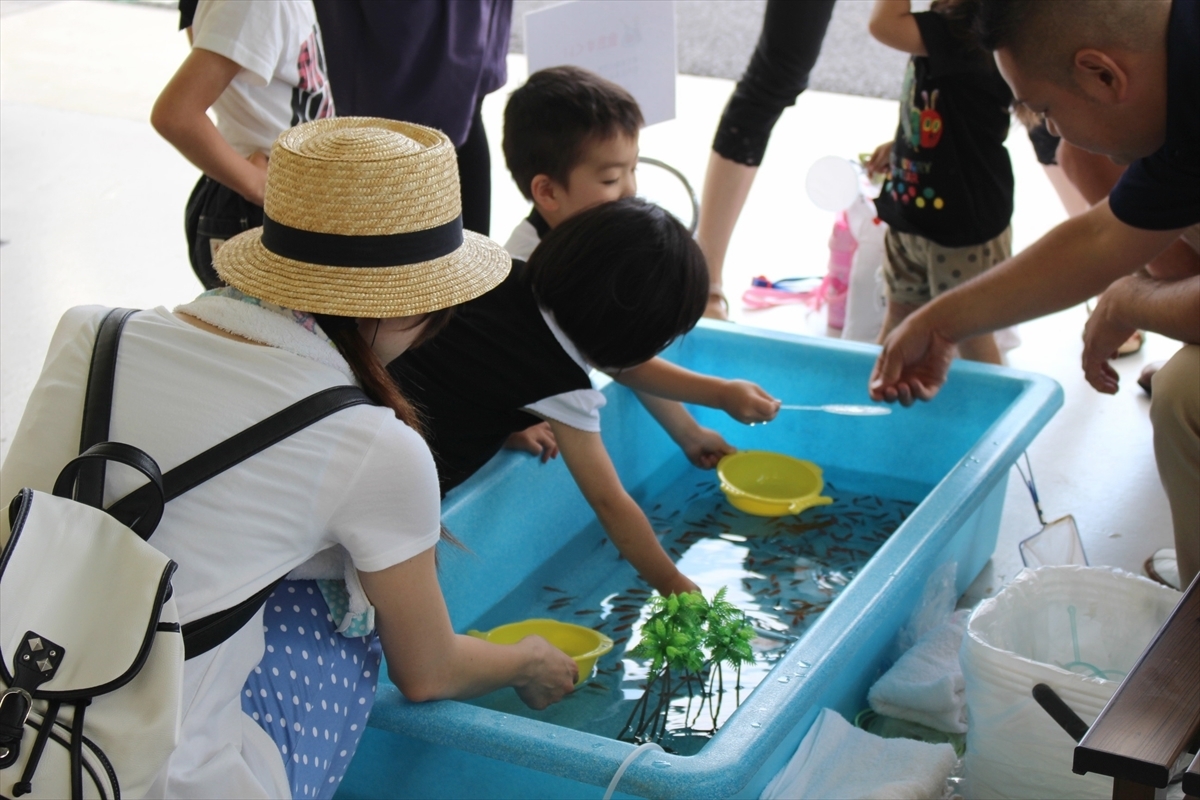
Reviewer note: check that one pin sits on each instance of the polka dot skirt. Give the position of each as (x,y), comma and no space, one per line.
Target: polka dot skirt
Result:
(313,690)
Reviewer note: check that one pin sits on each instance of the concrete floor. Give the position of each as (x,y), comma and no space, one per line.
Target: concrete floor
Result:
(91,211)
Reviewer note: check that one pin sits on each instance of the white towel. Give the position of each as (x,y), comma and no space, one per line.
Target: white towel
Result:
(837,761)
(926,684)
(335,564)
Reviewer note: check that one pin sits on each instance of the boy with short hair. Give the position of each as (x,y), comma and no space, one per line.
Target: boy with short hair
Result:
(570,142)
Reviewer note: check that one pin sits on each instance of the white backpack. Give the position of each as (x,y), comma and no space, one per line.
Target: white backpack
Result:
(91,649)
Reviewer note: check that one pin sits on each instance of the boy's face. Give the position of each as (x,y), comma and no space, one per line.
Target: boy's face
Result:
(606,172)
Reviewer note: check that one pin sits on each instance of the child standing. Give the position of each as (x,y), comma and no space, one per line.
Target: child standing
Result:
(948,193)
(261,68)
(609,287)
(570,142)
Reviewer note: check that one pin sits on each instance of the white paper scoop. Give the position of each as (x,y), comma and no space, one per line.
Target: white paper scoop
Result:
(849,411)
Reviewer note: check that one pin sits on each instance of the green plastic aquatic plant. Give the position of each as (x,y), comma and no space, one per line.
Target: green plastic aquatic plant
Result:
(688,640)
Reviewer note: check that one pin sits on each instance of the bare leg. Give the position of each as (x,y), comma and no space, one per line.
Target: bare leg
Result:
(896,312)
(726,187)
(980,348)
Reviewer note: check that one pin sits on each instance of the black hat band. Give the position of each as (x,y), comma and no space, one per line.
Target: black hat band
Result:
(340,250)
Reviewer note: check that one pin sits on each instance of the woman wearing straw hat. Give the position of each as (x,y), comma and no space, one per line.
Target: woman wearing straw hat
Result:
(361,249)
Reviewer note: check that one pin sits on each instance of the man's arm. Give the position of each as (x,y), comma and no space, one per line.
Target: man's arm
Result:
(1138,302)
(1074,261)
(622,519)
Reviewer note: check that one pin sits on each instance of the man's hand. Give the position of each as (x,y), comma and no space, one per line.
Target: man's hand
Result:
(1103,334)
(705,447)
(747,402)
(536,439)
(913,364)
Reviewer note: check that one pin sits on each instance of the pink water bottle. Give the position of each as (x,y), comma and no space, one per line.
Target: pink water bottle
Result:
(842,245)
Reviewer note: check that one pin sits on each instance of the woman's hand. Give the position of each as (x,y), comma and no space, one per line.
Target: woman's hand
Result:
(704,447)
(551,673)
(747,402)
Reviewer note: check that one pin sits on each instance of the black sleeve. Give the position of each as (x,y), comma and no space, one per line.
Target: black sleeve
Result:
(787,48)
(187,12)
(947,53)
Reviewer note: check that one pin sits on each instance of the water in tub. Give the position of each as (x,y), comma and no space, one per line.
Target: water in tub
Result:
(783,572)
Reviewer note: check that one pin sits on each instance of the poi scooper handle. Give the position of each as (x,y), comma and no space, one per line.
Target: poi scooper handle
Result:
(843,409)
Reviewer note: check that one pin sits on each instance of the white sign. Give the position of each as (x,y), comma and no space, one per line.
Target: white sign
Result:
(630,42)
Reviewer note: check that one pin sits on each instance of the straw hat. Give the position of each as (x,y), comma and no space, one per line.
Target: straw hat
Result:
(362,218)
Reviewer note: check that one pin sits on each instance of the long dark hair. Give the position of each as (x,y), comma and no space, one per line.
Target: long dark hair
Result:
(374,378)
(622,280)
(371,373)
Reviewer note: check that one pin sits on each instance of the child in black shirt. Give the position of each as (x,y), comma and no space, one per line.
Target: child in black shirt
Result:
(948,190)
(608,288)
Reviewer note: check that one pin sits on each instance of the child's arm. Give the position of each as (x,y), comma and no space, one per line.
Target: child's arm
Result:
(623,521)
(744,401)
(180,117)
(703,446)
(892,24)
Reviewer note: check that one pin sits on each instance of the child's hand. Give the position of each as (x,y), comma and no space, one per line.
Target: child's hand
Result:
(880,160)
(678,585)
(536,439)
(748,403)
(705,447)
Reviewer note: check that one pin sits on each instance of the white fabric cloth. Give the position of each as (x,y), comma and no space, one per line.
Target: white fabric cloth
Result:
(579,409)
(837,760)
(282,83)
(523,241)
(926,684)
(359,479)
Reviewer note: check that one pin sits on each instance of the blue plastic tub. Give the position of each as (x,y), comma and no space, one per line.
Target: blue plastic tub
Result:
(516,514)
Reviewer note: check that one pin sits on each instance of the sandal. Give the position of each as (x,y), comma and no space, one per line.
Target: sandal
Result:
(1132,344)
(1146,378)
(1163,567)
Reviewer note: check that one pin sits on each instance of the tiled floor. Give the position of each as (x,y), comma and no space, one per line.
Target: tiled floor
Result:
(91,209)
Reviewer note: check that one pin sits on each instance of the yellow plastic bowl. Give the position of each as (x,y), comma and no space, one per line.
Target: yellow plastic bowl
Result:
(770,484)
(582,644)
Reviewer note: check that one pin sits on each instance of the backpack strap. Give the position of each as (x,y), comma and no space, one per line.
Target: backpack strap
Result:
(97,404)
(202,635)
(199,636)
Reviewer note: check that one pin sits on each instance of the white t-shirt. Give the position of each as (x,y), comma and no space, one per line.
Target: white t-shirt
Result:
(523,241)
(277,43)
(579,408)
(358,478)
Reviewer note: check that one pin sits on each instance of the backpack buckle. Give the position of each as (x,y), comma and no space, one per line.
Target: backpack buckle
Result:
(12,722)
